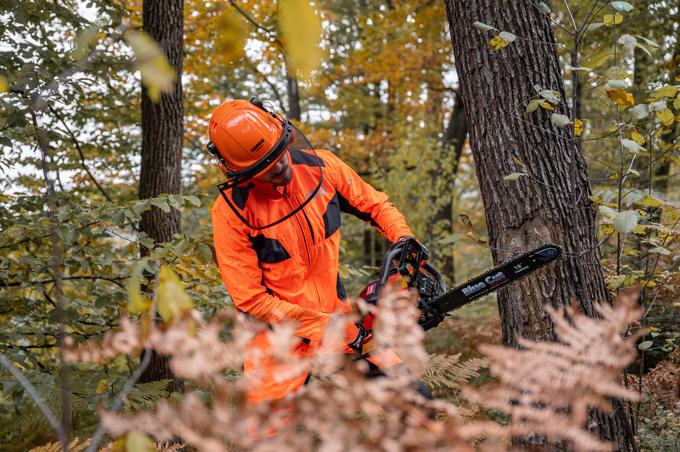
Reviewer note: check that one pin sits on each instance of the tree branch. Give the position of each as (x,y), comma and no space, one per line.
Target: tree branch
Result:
(80,152)
(33,394)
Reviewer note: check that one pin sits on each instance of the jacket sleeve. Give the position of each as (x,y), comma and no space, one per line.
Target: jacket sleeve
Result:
(365,202)
(242,276)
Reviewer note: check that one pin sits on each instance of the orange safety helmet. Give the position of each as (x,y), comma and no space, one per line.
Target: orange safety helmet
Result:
(247,139)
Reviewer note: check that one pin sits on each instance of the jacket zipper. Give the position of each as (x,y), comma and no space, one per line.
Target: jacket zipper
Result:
(304,238)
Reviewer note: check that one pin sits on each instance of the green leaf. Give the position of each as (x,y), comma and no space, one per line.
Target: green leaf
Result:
(559,120)
(139,442)
(205,252)
(85,41)
(628,42)
(545,9)
(6,142)
(660,250)
(507,36)
(193,200)
(161,204)
(640,111)
(483,27)
(513,176)
(645,345)
(622,7)
(664,92)
(607,213)
(617,84)
(173,301)
(594,26)
(625,221)
(453,238)
(647,41)
(632,146)
(551,96)
(141,207)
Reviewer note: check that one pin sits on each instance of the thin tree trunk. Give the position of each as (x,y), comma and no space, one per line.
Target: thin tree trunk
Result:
(294,110)
(162,137)
(57,270)
(453,141)
(551,203)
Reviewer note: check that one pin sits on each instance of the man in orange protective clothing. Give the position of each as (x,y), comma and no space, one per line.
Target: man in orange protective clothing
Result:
(276,229)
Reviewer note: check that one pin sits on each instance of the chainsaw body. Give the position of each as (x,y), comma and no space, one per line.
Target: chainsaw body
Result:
(406,266)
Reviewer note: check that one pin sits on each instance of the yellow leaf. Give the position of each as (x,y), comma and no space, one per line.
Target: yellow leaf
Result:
(498,43)
(232,32)
(621,97)
(676,102)
(666,91)
(546,105)
(301,35)
(665,117)
(173,301)
(4,86)
(101,386)
(157,74)
(611,20)
(578,127)
(637,137)
(649,201)
(139,442)
(137,304)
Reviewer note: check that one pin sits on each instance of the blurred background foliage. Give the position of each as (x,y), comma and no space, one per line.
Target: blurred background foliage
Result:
(374,82)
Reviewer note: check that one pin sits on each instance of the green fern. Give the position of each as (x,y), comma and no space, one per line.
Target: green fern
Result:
(145,395)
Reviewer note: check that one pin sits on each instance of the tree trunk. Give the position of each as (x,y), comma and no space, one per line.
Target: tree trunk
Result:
(294,110)
(162,137)
(551,203)
(453,141)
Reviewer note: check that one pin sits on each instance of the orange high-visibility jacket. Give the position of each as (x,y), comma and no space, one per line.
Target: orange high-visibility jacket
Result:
(290,271)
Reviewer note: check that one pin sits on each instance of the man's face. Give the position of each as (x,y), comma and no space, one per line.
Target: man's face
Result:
(280,173)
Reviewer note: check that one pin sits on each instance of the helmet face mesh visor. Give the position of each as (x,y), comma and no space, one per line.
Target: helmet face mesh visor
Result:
(292,138)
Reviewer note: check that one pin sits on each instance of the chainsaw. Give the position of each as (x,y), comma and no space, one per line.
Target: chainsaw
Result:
(406,265)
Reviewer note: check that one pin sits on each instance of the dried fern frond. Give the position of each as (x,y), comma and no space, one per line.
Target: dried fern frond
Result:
(548,388)
(74,446)
(447,372)
(662,383)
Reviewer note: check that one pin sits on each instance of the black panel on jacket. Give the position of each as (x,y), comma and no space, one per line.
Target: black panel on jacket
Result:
(303,158)
(268,250)
(240,195)
(331,217)
(341,290)
(346,207)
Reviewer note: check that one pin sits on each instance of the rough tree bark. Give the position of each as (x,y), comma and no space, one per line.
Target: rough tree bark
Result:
(550,204)
(162,137)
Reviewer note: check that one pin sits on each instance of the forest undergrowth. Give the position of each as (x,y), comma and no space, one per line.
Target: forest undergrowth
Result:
(543,391)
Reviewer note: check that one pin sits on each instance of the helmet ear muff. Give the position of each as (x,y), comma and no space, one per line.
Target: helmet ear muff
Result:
(212,149)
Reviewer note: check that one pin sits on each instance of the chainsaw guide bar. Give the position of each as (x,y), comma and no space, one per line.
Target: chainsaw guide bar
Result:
(497,277)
